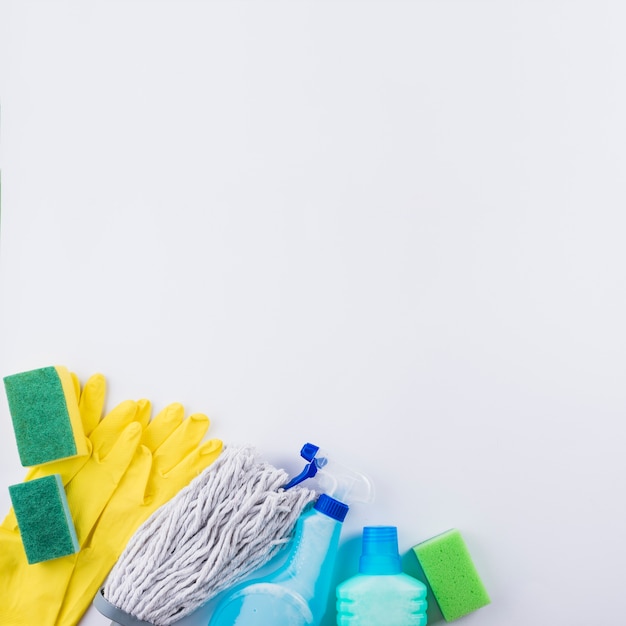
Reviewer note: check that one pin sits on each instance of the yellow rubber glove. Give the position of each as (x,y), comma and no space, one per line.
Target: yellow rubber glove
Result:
(33,594)
(171,456)
(101,437)
(91,406)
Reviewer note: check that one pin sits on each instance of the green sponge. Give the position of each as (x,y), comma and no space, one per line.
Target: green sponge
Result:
(451,574)
(44,519)
(46,419)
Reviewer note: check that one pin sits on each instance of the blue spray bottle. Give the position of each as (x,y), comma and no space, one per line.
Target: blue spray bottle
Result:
(297,593)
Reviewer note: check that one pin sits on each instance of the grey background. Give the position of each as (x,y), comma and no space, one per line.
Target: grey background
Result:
(392,228)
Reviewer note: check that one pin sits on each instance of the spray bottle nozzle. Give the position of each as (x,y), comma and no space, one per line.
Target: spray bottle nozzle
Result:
(308,452)
(310,469)
(335,480)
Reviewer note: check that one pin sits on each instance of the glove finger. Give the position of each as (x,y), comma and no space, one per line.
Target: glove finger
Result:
(163,487)
(163,425)
(105,434)
(91,402)
(120,518)
(130,493)
(9,523)
(89,574)
(181,442)
(197,461)
(91,489)
(128,497)
(144,410)
(76,384)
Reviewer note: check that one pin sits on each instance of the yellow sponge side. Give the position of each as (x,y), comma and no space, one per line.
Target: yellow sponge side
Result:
(73,411)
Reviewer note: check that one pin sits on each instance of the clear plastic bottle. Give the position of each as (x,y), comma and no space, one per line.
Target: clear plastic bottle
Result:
(297,593)
(381,594)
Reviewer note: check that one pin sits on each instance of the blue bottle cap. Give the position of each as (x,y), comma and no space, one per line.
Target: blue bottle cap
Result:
(379,552)
(331,507)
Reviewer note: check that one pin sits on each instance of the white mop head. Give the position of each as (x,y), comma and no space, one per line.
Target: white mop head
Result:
(228,522)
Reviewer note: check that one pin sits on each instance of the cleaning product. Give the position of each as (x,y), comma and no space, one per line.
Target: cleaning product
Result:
(45,414)
(174,450)
(33,593)
(231,520)
(44,519)
(451,574)
(137,464)
(381,593)
(296,594)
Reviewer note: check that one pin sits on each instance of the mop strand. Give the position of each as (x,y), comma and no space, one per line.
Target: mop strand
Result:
(232,519)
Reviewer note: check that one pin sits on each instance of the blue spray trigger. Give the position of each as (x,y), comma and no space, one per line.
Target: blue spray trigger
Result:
(335,480)
(310,469)
(308,452)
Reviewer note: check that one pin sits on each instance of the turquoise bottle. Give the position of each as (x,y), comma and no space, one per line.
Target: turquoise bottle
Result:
(297,593)
(381,594)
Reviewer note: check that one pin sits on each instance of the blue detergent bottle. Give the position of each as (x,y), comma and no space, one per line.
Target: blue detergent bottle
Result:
(297,593)
(381,594)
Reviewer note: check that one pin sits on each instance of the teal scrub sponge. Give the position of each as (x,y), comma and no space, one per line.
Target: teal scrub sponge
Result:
(45,414)
(451,574)
(44,519)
